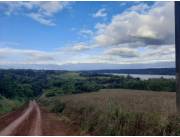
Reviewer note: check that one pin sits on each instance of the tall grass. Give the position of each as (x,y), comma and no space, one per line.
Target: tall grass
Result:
(119,112)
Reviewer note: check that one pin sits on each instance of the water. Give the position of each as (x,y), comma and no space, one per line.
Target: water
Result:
(145,76)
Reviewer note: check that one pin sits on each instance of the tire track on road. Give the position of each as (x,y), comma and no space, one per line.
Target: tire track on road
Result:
(36,126)
(31,113)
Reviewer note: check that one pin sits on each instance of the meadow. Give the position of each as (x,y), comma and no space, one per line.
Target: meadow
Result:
(119,111)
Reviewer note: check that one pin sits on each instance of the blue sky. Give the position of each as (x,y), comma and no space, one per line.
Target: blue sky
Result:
(86,32)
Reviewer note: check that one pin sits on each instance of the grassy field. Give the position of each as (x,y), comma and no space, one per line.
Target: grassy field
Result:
(119,112)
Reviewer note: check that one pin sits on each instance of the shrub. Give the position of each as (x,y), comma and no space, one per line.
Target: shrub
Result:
(58,107)
(50,94)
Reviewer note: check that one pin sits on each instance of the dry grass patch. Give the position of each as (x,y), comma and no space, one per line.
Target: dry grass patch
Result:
(120,112)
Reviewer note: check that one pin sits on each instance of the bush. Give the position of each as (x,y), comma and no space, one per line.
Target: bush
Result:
(50,94)
(7,105)
(58,107)
(53,92)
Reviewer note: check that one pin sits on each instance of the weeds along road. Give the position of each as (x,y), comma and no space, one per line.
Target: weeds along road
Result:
(34,121)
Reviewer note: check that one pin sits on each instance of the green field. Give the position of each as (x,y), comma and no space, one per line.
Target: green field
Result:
(119,111)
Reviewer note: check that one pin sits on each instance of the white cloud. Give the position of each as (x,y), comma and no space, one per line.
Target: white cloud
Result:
(116,55)
(141,7)
(42,11)
(25,55)
(100,13)
(134,36)
(163,53)
(122,52)
(41,19)
(77,47)
(86,32)
(153,26)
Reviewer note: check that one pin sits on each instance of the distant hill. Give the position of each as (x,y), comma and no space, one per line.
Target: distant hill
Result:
(151,71)
(88,66)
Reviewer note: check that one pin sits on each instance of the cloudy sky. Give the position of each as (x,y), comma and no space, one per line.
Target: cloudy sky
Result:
(87,32)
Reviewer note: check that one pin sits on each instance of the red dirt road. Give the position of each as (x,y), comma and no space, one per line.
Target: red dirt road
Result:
(34,121)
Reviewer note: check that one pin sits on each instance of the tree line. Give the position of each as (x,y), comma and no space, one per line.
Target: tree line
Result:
(27,84)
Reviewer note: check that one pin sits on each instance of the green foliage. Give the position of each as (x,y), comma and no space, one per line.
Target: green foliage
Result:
(26,84)
(161,84)
(69,86)
(53,92)
(86,86)
(7,105)
(128,82)
(21,83)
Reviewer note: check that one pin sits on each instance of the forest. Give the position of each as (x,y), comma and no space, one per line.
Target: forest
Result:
(26,84)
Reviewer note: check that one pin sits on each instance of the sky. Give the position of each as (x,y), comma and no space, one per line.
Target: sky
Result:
(60,33)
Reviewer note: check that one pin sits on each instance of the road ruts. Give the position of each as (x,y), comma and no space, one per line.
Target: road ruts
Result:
(30,120)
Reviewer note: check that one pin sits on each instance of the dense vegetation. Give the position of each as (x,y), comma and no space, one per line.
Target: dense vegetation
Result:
(26,84)
(118,112)
(109,81)
(7,105)
(22,85)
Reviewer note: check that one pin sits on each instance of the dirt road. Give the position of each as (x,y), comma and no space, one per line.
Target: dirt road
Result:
(34,121)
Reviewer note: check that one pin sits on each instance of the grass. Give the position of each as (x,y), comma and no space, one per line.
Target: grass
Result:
(119,112)
(7,105)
